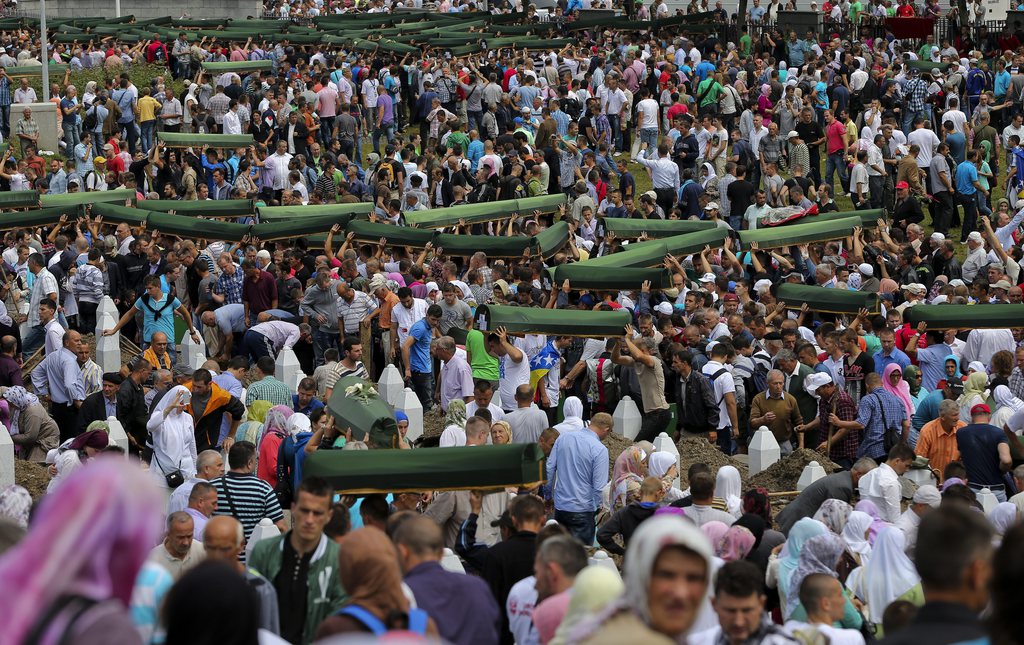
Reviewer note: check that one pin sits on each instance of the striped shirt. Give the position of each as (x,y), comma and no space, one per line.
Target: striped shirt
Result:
(92,377)
(269,389)
(354,312)
(246,498)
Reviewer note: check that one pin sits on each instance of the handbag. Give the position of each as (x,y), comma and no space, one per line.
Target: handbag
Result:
(890,436)
(175,478)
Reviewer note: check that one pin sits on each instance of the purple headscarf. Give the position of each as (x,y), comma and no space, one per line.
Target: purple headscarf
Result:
(867,506)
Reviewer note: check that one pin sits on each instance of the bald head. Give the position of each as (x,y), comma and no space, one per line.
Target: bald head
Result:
(223,539)
(421,536)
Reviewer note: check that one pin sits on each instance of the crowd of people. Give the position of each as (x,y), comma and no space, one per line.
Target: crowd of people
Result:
(209,532)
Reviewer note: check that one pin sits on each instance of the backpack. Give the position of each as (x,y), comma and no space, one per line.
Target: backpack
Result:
(606,384)
(168,301)
(418,620)
(89,122)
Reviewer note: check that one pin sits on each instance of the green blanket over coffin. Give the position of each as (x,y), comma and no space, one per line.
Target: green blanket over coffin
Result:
(201,141)
(77,199)
(634,256)
(35,217)
(836,301)
(552,239)
(679,245)
(19,199)
(210,207)
(655,228)
(395,235)
(486,212)
(356,404)
(779,236)
(238,67)
(193,227)
(868,218)
(966,316)
(496,247)
(926,66)
(554,322)
(298,227)
(117,214)
(283,213)
(428,469)
(584,277)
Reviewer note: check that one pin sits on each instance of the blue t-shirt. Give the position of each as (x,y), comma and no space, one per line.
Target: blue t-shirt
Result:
(966,175)
(957,143)
(419,353)
(978,444)
(157,316)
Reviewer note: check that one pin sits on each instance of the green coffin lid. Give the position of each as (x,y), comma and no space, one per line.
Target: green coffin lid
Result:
(926,66)
(56,70)
(200,141)
(655,228)
(34,218)
(581,276)
(868,218)
(648,256)
(433,469)
(299,227)
(369,414)
(193,227)
(19,199)
(552,239)
(282,213)
(679,245)
(215,207)
(777,236)
(75,199)
(501,247)
(395,235)
(966,316)
(118,214)
(836,301)
(239,67)
(554,322)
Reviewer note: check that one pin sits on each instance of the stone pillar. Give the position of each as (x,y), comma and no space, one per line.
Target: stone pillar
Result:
(193,353)
(391,385)
(287,366)
(118,436)
(812,473)
(764,450)
(264,530)
(108,348)
(6,458)
(627,419)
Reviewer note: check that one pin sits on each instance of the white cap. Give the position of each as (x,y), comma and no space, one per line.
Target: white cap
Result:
(712,206)
(866,269)
(938,237)
(975,236)
(297,423)
(763,285)
(929,495)
(663,308)
(816,380)
(915,287)
(707,277)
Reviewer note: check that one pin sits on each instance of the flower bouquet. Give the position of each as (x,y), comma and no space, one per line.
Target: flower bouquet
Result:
(356,404)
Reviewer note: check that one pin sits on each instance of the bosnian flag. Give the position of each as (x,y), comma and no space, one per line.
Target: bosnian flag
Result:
(545,360)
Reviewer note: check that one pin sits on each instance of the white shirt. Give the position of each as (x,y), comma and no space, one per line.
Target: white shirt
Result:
(278,165)
(54,336)
(497,414)
(723,385)
(453,436)
(647,110)
(957,117)
(664,172)
(519,607)
(513,375)
(232,125)
(983,343)
(908,523)
(835,636)
(406,318)
(927,141)
(882,486)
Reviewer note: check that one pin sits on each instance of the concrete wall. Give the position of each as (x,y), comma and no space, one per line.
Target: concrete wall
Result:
(45,114)
(238,9)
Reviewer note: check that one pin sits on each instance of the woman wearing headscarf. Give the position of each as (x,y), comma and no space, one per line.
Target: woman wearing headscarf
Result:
(665,466)
(782,566)
(913,377)
(592,590)
(275,431)
(628,473)
(454,425)
(1006,404)
(402,421)
(821,554)
(1003,517)
(892,381)
(64,464)
(33,431)
(252,429)
(709,180)
(975,392)
(15,505)
(728,486)
(369,574)
(212,605)
(764,102)
(655,609)
(572,411)
(954,378)
(174,438)
(833,514)
(714,531)
(889,575)
(501,433)
(855,534)
(736,544)
(877,523)
(77,590)
(89,444)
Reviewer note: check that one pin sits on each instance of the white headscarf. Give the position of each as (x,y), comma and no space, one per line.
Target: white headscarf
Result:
(174,439)
(1004,397)
(889,574)
(711,174)
(572,409)
(729,487)
(854,533)
(67,463)
(1003,517)
(659,463)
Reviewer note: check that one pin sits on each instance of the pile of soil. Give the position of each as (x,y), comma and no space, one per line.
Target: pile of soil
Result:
(32,476)
(616,444)
(433,422)
(784,474)
(700,451)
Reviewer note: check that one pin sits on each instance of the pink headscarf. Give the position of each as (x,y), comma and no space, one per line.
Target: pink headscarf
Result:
(735,544)
(82,541)
(397,277)
(277,421)
(888,285)
(901,390)
(715,531)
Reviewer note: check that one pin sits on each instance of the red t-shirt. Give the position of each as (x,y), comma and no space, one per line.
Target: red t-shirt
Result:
(905,11)
(834,135)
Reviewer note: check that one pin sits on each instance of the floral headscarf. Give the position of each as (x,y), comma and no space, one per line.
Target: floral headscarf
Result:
(820,555)
(15,505)
(736,544)
(19,399)
(833,513)
(277,421)
(756,501)
(456,415)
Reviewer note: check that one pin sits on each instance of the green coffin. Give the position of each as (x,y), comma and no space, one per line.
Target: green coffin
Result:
(239,67)
(77,199)
(211,207)
(201,141)
(778,236)
(366,412)
(194,227)
(493,246)
(926,66)
(554,322)
(395,235)
(298,227)
(428,469)
(655,228)
(583,277)
(868,218)
(19,199)
(634,256)
(31,218)
(118,214)
(281,213)
(477,213)
(966,316)
(552,239)
(687,243)
(835,301)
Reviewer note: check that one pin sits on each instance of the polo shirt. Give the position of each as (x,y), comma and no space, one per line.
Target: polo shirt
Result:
(250,500)
(978,444)
(419,352)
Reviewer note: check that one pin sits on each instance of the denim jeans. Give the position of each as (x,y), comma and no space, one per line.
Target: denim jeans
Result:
(581,525)
(837,161)
(910,115)
(148,130)
(475,118)
(614,120)
(323,341)
(71,138)
(326,130)
(32,341)
(650,137)
(422,384)
(131,135)
(5,126)
(385,129)
(97,144)
(653,424)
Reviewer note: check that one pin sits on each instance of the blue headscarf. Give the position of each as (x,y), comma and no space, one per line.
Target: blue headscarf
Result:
(401,416)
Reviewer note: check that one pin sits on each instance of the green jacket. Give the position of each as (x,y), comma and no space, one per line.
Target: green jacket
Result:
(324,594)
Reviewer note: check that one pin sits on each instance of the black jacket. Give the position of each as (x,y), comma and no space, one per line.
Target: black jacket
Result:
(938,623)
(505,564)
(93,408)
(624,522)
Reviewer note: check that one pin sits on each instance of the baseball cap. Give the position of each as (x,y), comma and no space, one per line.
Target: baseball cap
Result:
(99,160)
(975,236)
(938,237)
(1002,284)
(981,408)
(707,277)
(929,495)
(816,380)
(792,134)
(902,185)
(915,287)
(731,297)
(712,206)
(663,308)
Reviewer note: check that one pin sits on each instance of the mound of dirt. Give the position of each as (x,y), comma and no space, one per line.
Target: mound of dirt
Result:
(784,474)
(32,476)
(700,451)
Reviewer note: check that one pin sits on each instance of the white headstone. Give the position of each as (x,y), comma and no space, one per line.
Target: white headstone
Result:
(287,366)
(263,531)
(627,419)
(409,403)
(987,500)
(451,562)
(920,476)
(602,559)
(23,310)
(390,385)
(106,306)
(763,450)
(812,473)
(108,348)
(298,379)
(664,443)
(117,435)
(6,458)
(193,353)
